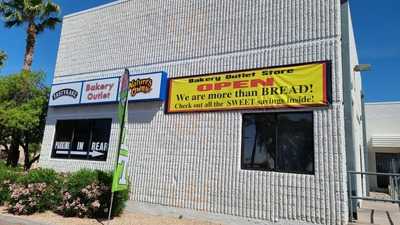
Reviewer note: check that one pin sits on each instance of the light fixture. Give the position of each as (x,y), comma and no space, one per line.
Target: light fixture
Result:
(362,67)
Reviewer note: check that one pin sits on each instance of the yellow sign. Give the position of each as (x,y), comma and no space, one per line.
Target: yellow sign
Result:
(276,87)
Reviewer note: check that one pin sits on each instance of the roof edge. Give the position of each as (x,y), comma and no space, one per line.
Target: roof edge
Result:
(94,8)
(383,103)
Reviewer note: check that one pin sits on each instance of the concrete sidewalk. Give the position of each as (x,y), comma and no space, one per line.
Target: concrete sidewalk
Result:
(14,220)
(379,213)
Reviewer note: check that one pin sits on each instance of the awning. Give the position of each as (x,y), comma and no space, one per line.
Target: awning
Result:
(387,141)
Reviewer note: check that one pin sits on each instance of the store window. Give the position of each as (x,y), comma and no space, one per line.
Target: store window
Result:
(282,142)
(82,139)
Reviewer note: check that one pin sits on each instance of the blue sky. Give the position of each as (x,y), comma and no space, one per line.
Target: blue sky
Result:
(376,28)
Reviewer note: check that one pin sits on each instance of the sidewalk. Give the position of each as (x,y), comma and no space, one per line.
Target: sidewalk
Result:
(13,220)
(381,213)
(127,218)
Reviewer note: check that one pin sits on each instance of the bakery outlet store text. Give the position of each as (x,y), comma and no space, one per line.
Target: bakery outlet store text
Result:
(250,110)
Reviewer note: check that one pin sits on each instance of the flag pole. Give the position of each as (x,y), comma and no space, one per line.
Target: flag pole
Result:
(119,173)
(110,209)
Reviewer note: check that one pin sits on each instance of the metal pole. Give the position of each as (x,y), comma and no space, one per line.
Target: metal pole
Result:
(350,197)
(110,208)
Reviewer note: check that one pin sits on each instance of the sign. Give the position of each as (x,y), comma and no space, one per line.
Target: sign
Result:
(84,139)
(147,86)
(65,94)
(276,87)
(142,87)
(100,91)
(120,177)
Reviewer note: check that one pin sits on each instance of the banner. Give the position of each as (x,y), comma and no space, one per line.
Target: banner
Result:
(276,87)
(120,177)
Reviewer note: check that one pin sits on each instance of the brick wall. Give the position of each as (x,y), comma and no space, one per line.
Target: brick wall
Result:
(193,160)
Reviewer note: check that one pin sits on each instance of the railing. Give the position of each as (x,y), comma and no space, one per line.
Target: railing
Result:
(394,189)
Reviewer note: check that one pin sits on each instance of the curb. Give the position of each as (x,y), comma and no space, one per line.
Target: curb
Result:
(15,220)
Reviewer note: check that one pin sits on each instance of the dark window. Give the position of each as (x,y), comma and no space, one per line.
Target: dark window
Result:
(282,142)
(82,139)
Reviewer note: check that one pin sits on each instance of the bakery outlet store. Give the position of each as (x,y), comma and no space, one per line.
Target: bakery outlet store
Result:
(238,109)
(275,134)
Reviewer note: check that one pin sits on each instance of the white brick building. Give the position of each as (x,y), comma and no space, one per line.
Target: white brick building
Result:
(383,139)
(193,160)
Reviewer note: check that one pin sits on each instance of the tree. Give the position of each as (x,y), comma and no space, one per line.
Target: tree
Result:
(3,58)
(23,108)
(38,15)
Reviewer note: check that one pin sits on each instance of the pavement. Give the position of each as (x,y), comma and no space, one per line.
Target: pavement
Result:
(13,220)
(379,213)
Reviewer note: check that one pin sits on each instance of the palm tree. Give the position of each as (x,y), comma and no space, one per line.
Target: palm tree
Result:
(39,15)
(3,58)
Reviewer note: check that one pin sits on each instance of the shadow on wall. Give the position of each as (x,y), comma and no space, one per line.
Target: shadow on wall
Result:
(143,112)
(139,112)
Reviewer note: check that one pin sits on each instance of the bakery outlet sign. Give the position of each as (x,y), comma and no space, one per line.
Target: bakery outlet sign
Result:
(150,86)
(98,91)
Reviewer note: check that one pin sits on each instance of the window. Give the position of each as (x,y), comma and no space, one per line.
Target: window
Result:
(282,142)
(82,139)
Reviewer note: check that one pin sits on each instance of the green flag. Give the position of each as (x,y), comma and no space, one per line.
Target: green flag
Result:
(120,177)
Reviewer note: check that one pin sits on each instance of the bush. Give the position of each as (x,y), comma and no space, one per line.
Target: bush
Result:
(28,199)
(75,182)
(8,176)
(120,197)
(47,176)
(88,194)
(85,193)
(36,191)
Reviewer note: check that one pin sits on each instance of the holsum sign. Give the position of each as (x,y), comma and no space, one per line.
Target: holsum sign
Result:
(65,94)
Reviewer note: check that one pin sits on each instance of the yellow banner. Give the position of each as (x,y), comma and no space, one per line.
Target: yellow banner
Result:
(277,87)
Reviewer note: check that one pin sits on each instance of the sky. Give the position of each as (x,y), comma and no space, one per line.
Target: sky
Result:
(376,27)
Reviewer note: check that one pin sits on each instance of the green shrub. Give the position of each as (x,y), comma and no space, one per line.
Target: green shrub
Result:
(31,198)
(76,181)
(88,193)
(36,191)
(8,176)
(48,176)
(85,193)
(120,197)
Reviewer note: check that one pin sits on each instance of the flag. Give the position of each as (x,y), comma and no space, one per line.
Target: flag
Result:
(120,177)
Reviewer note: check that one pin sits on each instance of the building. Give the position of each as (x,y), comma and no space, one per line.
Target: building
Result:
(383,138)
(227,160)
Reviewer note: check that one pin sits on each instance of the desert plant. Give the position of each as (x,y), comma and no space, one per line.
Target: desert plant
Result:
(40,175)
(8,176)
(87,194)
(31,198)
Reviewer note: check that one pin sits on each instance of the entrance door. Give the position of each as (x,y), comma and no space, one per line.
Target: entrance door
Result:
(386,163)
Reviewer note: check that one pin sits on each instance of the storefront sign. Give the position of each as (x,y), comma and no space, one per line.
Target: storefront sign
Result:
(276,87)
(142,87)
(65,94)
(98,91)
(147,86)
